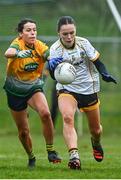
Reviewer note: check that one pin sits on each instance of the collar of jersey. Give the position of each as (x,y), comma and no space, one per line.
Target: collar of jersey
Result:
(29,47)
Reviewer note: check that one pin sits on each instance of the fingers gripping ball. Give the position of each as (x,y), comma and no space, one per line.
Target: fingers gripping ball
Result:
(54,62)
(65,73)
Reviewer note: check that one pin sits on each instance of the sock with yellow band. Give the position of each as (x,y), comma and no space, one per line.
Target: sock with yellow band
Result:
(49,147)
(31,155)
(52,154)
(32,160)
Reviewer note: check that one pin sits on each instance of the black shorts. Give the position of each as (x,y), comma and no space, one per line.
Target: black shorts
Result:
(84,102)
(18,103)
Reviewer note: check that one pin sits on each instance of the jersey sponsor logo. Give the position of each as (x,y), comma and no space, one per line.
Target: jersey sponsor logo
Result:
(76,57)
(76,60)
(31,67)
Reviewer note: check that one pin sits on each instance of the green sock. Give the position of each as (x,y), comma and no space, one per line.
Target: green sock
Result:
(49,147)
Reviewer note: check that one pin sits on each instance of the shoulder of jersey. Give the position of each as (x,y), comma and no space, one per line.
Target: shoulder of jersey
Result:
(81,39)
(56,45)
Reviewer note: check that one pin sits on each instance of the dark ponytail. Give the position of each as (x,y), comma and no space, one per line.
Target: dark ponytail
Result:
(64,20)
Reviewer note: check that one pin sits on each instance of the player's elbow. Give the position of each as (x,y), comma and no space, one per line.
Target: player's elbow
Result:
(6,54)
(11,52)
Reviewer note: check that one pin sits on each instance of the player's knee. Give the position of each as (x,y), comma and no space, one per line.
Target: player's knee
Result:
(24,133)
(96,131)
(68,119)
(45,116)
(101,128)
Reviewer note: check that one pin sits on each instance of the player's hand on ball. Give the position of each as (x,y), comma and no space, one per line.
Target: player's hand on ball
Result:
(54,62)
(108,78)
(24,54)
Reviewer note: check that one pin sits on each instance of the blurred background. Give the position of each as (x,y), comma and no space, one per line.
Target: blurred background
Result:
(95,22)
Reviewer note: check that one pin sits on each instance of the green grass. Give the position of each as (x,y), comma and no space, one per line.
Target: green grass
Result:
(13,160)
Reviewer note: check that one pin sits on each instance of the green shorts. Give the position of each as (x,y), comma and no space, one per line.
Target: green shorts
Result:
(18,103)
(19,92)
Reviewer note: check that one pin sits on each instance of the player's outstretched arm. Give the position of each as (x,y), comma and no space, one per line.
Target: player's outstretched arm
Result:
(13,53)
(103,71)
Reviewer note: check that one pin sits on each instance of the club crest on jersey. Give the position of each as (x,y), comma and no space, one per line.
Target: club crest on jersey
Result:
(82,54)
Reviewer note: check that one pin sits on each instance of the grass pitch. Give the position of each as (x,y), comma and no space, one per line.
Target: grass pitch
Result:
(13,160)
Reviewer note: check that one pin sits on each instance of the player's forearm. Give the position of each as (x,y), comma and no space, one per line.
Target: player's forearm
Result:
(103,71)
(11,52)
(100,67)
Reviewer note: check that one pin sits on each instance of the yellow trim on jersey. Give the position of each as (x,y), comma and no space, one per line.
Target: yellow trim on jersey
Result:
(97,56)
(90,108)
(27,69)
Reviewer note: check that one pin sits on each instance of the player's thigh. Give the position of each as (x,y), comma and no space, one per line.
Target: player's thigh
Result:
(67,104)
(38,102)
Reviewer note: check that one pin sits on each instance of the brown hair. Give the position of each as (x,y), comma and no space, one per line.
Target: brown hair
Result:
(64,20)
(22,23)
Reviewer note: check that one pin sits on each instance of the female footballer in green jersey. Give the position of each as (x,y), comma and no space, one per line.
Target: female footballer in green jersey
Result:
(26,57)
